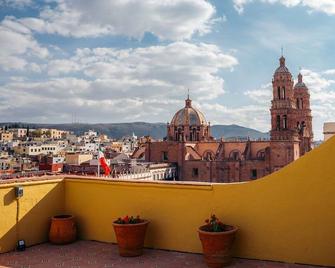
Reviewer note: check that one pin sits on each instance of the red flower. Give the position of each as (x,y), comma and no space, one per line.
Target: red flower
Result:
(129,220)
(126,219)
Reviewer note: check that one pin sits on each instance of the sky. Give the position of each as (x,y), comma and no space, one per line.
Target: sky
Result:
(124,60)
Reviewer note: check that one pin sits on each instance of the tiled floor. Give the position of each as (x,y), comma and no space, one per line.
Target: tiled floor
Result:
(97,254)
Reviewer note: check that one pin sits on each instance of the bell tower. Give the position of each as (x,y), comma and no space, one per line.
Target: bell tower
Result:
(284,138)
(283,125)
(303,115)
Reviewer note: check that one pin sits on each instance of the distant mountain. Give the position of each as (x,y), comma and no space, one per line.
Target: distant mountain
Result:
(235,131)
(156,130)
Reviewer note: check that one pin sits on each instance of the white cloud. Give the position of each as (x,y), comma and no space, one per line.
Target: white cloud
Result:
(329,72)
(263,95)
(116,85)
(62,66)
(326,6)
(151,71)
(16,3)
(253,116)
(173,20)
(16,44)
(317,83)
(239,5)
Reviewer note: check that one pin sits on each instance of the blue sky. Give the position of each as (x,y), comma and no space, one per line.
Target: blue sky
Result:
(124,61)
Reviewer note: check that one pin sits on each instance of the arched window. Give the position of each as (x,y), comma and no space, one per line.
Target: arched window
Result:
(285,122)
(298,104)
(278,122)
(179,135)
(208,155)
(235,155)
(283,93)
(260,154)
(278,92)
(301,103)
(194,134)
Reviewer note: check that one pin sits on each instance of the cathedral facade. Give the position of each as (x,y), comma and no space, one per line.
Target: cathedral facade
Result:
(199,157)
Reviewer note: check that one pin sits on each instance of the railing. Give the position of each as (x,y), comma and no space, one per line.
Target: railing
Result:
(24,174)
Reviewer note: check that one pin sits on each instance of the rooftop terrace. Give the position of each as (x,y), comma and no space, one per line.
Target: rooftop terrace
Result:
(286,217)
(97,254)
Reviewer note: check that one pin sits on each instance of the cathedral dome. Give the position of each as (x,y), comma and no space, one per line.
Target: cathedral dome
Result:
(188,116)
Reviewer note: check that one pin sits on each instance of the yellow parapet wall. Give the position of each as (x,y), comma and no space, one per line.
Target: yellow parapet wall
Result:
(28,217)
(287,216)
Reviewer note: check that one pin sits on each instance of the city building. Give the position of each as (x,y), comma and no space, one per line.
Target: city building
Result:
(34,149)
(328,130)
(6,136)
(19,133)
(51,163)
(129,143)
(77,158)
(199,157)
(139,170)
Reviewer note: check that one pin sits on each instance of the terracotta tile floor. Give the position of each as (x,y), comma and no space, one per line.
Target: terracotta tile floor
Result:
(96,254)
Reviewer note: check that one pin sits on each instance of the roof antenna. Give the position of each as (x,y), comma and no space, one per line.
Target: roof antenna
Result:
(282,51)
(188,93)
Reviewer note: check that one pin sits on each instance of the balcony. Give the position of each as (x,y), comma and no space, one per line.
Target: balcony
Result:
(286,217)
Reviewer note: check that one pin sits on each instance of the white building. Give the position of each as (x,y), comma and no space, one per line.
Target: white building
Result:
(129,143)
(90,134)
(32,149)
(19,132)
(87,147)
(328,130)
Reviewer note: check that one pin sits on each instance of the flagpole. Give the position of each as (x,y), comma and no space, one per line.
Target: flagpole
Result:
(99,159)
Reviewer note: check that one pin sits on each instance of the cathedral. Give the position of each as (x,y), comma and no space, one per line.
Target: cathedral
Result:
(199,157)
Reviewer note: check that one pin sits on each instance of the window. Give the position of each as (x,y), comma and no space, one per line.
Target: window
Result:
(278,122)
(234,155)
(253,174)
(278,92)
(195,172)
(285,122)
(165,156)
(283,93)
(208,155)
(261,155)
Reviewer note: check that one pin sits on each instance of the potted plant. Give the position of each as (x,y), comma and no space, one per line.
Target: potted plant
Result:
(217,241)
(63,229)
(130,234)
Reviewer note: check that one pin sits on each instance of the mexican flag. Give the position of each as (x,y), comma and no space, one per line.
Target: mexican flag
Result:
(103,163)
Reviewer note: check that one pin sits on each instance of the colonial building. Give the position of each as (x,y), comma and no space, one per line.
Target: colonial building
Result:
(199,157)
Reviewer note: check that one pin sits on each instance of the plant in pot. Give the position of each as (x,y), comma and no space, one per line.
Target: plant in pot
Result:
(217,240)
(130,234)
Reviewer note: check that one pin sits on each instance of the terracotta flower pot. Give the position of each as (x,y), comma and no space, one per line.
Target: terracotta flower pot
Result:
(62,229)
(130,238)
(217,246)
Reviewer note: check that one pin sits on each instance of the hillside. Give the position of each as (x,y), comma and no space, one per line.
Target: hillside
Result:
(156,130)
